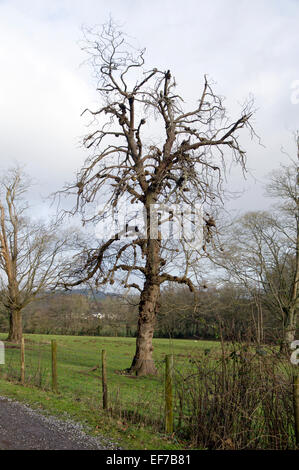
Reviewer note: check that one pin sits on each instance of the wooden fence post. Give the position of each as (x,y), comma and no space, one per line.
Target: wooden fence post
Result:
(22,361)
(54,366)
(104,380)
(168,394)
(296,405)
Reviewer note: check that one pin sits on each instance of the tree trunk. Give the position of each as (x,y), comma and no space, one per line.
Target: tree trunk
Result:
(143,363)
(15,326)
(290,327)
(289,330)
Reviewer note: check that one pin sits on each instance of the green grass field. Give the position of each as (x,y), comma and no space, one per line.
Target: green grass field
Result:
(79,379)
(230,396)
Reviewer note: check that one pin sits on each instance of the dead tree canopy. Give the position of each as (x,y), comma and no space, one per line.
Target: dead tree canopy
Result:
(147,148)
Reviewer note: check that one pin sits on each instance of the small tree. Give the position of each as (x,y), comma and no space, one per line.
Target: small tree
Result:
(148,149)
(265,254)
(284,187)
(30,257)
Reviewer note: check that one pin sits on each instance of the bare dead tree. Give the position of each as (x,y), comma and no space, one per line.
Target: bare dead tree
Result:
(147,149)
(31,252)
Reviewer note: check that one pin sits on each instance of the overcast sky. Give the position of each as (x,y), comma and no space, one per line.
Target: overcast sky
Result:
(245,47)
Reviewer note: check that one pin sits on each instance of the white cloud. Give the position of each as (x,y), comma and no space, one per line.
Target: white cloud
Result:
(244,46)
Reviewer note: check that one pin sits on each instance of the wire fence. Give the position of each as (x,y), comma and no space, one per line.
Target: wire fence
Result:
(233,399)
(79,377)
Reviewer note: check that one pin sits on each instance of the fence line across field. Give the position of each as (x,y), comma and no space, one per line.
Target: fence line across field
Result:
(48,366)
(44,372)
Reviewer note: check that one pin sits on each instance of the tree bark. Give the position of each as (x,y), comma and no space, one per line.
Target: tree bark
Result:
(143,363)
(290,327)
(15,326)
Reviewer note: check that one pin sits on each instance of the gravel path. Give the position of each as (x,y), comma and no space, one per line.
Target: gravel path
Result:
(22,428)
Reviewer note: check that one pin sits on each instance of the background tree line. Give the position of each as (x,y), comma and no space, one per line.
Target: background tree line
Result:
(228,310)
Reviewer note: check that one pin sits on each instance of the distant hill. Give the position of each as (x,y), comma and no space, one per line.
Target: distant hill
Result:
(90,293)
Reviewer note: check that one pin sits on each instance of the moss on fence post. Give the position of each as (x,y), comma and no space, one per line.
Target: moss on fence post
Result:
(54,366)
(168,394)
(23,361)
(104,381)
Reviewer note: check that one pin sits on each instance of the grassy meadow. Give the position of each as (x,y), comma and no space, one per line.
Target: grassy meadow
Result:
(79,378)
(226,396)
